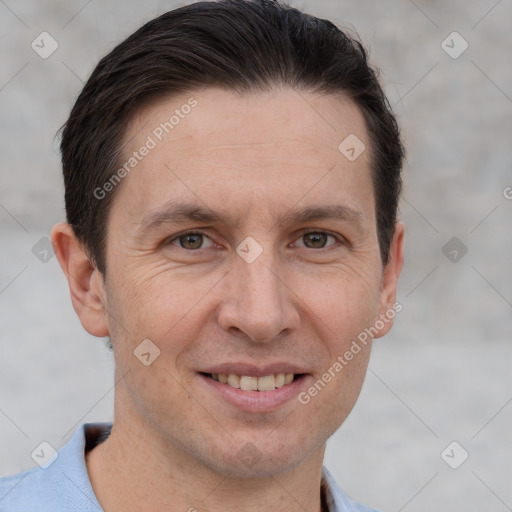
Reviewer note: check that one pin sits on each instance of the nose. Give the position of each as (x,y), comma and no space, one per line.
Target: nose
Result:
(257,302)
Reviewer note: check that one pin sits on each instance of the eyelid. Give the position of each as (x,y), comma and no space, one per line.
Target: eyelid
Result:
(174,238)
(340,239)
(337,237)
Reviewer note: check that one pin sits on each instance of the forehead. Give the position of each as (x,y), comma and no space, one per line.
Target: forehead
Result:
(238,152)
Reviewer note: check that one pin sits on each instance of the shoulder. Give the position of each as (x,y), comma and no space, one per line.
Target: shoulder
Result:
(337,500)
(30,490)
(61,484)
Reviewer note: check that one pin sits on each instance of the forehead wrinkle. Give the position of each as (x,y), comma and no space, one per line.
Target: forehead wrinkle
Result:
(240,145)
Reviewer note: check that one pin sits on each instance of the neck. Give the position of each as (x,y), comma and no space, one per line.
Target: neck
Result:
(135,470)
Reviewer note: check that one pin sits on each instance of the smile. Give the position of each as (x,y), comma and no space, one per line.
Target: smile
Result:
(255,393)
(252,383)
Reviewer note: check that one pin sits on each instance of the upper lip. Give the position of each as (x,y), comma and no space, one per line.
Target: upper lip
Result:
(252,370)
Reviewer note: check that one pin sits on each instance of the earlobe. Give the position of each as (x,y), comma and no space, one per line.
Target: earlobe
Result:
(85,281)
(388,306)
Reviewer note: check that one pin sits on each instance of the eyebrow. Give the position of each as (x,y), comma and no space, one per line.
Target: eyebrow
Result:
(180,213)
(337,212)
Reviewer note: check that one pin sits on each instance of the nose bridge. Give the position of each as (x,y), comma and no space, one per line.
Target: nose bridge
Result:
(259,304)
(260,287)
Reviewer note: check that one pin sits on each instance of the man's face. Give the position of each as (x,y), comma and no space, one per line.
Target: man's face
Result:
(243,243)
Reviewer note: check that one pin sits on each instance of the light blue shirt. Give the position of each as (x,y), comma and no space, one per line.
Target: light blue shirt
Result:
(62,484)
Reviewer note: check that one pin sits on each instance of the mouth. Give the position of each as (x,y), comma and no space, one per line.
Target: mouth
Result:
(255,388)
(262,383)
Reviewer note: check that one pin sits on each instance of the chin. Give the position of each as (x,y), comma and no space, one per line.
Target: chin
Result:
(260,458)
(261,466)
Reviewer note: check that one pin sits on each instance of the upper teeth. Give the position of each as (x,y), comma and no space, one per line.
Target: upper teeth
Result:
(246,383)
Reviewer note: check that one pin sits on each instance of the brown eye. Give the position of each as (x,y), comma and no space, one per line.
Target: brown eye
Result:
(192,241)
(316,240)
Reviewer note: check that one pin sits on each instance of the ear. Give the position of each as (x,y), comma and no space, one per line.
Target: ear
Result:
(85,281)
(388,307)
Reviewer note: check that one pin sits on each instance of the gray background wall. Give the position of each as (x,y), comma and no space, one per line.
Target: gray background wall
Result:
(442,374)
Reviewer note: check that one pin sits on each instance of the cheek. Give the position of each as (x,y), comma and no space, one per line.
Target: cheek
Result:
(152,299)
(332,396)
(343,302)
(341,311)
(162,305)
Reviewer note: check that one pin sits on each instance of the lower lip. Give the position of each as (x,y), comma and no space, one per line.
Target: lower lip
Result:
(256,401)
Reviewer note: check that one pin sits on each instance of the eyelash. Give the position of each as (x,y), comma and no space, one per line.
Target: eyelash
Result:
(303,232)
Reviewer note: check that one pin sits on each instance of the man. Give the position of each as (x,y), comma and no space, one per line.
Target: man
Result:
(232,174)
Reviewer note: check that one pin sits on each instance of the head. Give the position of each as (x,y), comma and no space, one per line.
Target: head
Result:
(232,174)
